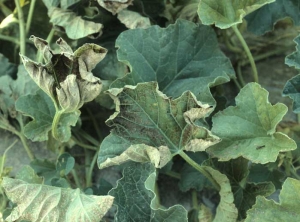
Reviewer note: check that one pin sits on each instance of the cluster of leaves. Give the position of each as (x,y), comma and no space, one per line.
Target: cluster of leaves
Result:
(137,88)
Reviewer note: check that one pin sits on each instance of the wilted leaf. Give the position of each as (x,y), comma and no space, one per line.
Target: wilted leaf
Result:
(144,115)
(226,210)
(133,20)
(141,153)
(225,14)
(286,210)
(114,6)
(66,77)
(263,19)
(74,25)
(135,197)
(181,57)
(38,203)
(40,107)
(64,4)
(248,129)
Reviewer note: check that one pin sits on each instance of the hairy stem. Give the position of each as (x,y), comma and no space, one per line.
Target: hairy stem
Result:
(83,145)
(199,168)
(30,14)
(25,145)
(247,50)
(21,28)
(194,199)
(10,39)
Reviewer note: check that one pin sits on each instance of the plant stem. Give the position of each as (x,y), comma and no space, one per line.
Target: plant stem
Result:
(85,146)
(237,84)
(194,199)
(240,76)
(21,28)
(5,10)
(95,124)
(55,123)
(172,174)
(247,50)
(76,179)
(90,172)
(89,138)
(10,39)
(199,168)
(25,145)
(30,14)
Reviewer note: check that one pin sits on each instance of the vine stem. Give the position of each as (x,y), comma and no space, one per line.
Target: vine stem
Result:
(10,39)
(55,123)
(90,171)
(25,145)
(199,168)
(248,52)
(30,14)
(21,27)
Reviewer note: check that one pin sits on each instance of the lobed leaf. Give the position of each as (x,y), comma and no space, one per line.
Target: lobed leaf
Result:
(286,210)
(225,14)
(181,57)
(248,129)
(135,197)
(262,20)
(40,107)
(145,115)
(42,203)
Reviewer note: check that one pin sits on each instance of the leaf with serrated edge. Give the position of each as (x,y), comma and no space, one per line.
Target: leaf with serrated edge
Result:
(135,197)
(286,210)
(225,14)
(42,203)
(144,115)
(262,20)
(248,129)
(40,107)
(160,54)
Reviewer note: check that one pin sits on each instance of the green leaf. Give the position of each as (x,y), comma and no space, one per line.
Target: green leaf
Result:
(74,26)
(65,164)
(190,177)
(292,90)
(225,14)
(45,203)
(226,210)
(248,129)
(181,57)
(286,210)
(135,197)
(6,68)
(146,116)
(28,175)
(40,107)
(11,90)
(292,60)
(262,20)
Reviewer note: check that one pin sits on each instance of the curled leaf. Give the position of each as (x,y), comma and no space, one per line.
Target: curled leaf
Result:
(114,6)
(66,77)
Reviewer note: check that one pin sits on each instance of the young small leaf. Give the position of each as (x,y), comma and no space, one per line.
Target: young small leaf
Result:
(36,202)
(251,123)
